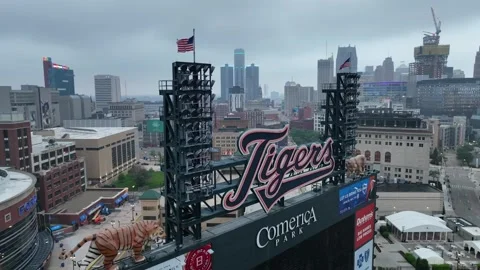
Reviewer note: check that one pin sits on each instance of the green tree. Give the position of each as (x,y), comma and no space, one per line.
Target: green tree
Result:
(305,136)
(422,264)
(434,174)
(153,153)
(464,154)
(121,178)
(435,157)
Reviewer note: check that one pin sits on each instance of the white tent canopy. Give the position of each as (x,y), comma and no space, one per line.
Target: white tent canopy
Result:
(431,256)
(411,221)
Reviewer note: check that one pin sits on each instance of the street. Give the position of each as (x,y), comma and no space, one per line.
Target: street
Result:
(464,194)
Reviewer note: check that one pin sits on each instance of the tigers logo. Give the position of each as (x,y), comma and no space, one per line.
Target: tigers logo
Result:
(199,259)
(271,168)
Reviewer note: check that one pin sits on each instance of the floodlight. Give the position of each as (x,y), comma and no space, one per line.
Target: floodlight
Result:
(212,68)
(183,68)
(212,82)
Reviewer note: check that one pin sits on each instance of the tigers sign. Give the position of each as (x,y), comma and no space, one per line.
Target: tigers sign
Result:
(280,172)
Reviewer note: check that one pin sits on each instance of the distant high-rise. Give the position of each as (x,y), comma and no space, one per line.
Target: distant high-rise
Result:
(458,74)
(58,76)
(226,80)
(107,90)
(369,69)
(342,55)
(379,74)
(297,96)
(325,74)
(476,66)
(236,99)
(388,69)
(239,67)
(401,73)
(252,83)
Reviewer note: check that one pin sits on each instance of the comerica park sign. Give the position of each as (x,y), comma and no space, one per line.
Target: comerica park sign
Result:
(279,172)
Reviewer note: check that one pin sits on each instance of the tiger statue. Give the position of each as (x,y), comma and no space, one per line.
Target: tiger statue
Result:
(355,165)
(112,240)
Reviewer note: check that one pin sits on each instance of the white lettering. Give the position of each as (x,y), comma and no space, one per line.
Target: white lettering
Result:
(285,230)
(366,218)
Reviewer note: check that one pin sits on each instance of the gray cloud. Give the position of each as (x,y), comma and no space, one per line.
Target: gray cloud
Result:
(136,40)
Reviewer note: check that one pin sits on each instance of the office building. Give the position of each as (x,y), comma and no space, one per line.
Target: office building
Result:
(476,65)
(448,96)
(379,91)
(60,174)
(129,108)
(430,58)
(297,96)
(401,73)
(253,91)
(16,143)
(226,81)
(325,75)
(226,141)
(222,109)
(379,74)
(318,117)
(75,107)
(388,69)
(237,99)
(108,152)
(342,55)
(255,118)
(458,74)
(59,77)
(239,67)
(107,90)
(395,144)
(38,105)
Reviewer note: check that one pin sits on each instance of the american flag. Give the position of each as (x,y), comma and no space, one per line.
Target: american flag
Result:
(186,44)
(345,64)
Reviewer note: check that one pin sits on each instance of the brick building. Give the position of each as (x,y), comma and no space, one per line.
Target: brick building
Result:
(16,145)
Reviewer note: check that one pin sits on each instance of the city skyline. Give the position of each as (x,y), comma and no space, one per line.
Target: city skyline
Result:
(137,50)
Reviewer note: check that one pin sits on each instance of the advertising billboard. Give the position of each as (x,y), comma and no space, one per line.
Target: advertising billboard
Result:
(154,126)
(199,259)
(355,194)
(364,225)
(364,257)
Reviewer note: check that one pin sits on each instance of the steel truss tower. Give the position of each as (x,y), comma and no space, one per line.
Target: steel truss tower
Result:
(341,120)
(187,116)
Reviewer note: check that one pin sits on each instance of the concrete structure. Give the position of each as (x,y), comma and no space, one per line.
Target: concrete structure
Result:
(239,67)
(453,135)
(342,55)
(253,91)
(458,73)
(388,69)
(18,222)
(226,141)
(75,107)
(476,65)
(107,90)
(427,254)
(414,226)
(16,143)
(129,108)
(93,123)
(401,73)
(255,118)
(38,105)
(394,198)
(297,96)
(395,145)
(108,152)
(226,81)
(325,75)
(318,117)
(150,203)
(236,99)
(61,175)
(379,74)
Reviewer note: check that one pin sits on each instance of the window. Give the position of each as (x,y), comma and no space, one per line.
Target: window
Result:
(420,145)
(377,156)
(8,217)
(388,157)
(367,155)
(358,152)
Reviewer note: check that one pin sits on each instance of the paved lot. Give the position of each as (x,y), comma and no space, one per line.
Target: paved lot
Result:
(122,217)
(464,193)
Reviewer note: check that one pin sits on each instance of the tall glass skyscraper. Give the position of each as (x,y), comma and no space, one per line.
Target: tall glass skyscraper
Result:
(226,80)
(58,76)
(239,67)
(253,91)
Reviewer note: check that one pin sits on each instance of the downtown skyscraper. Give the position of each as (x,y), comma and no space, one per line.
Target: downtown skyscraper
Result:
(388,69)
(253,91)
(476,66)
(342,55)
(226,80)
(107,90)
(239,67)
(325,75)
(59,77)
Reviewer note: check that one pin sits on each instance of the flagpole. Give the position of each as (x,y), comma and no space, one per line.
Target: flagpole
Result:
(194,41)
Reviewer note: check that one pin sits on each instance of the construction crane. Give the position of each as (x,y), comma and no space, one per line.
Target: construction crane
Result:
(433,38)
(437,24)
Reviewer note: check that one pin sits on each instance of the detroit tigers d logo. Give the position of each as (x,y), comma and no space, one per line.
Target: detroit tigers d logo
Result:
(271,167)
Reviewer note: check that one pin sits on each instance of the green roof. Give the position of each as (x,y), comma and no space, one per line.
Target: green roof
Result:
(150,195)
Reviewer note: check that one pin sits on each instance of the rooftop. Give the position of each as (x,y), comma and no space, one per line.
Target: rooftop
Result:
(43,146)
(83,200)
(14,183)
(87,132)
(426,253)
(406,188)
(411,221)
(474,231)
(150,195)
(395,130)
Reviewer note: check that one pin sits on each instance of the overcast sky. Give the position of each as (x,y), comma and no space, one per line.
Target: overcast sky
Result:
(136,39)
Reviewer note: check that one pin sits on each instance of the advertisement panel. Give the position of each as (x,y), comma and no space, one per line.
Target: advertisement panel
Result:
(364,257)
(364,225)
(154,126)
(355,194)
(199,259)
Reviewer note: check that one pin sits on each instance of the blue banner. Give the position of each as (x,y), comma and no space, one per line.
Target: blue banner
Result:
(353,195)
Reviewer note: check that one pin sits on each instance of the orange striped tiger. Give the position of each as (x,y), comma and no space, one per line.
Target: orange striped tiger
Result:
(112,240)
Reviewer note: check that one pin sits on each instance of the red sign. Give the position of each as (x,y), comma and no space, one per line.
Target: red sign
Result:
(199,259)
(364,225)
